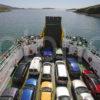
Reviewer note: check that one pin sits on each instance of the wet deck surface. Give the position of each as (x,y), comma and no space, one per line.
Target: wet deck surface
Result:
(24,60)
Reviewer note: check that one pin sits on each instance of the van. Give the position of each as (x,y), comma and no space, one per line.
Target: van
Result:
(20,73)
(35,66)
(46,71)
(61,73)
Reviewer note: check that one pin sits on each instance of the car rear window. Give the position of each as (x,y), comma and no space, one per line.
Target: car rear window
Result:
(80,90)
(46,89)
(47,75)
(62,78)
(64,98)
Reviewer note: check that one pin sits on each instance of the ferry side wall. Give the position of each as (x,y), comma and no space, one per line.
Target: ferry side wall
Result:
(85,53)
(8,67)
(95,63)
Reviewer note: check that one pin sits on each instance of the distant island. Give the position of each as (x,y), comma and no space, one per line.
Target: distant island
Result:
(92,10)
(6,8)
(48,8)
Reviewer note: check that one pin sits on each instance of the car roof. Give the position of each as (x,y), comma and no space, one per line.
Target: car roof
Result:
(47,52)
(47,84)
(62,71)
(19,70)
(59,51)
(35,64)
(62,91)
(26,94)
(78,83)
(46,69)
(10,92)
(75,67)
(31,81)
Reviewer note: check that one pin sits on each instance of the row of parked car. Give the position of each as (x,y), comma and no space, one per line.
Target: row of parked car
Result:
(46,85)
(78,88)
(81,89)
(90,83)
(18,77)
(62,93)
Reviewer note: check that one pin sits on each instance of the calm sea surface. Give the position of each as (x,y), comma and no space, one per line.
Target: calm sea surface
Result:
(22,22)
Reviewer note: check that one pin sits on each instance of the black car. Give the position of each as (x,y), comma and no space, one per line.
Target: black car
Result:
(20,74)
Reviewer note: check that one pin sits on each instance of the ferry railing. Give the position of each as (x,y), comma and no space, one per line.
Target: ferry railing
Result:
(85,43)
(6,54)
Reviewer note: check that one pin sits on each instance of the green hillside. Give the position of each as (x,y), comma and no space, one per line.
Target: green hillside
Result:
(90,10)
(5,8)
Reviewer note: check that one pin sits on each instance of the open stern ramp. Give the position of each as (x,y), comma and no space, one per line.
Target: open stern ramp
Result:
(52,33)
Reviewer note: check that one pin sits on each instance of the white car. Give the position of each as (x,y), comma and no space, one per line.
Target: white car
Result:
(80,90)
(62,93)
(46,71)
(61,74)
(35,66)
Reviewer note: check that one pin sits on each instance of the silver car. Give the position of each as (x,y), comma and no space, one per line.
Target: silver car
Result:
(80,90)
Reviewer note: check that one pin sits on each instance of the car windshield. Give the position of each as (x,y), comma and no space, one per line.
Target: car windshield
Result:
(46,89)
(47,75)
(80,90)
(29,86)
(60,63)
(64,98)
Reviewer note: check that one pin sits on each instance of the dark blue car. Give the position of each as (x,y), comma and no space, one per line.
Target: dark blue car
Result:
(73,68)
(48,54)
(29,89)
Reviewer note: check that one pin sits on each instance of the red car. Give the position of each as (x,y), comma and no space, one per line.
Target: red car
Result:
(92,82)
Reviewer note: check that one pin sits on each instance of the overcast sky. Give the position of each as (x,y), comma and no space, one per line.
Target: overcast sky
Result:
(50,3)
